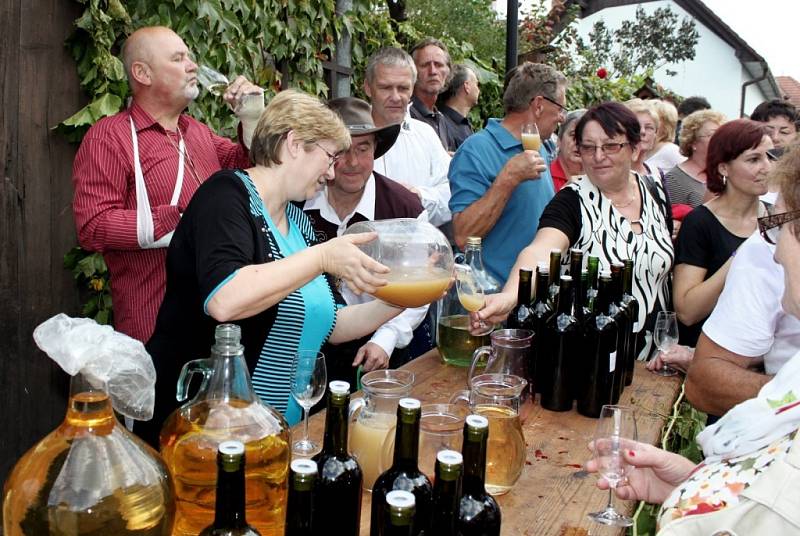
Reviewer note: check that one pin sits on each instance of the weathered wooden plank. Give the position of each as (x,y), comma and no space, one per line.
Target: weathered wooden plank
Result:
(553,493)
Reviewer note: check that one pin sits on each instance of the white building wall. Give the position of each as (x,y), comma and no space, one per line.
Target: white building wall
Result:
(715,73)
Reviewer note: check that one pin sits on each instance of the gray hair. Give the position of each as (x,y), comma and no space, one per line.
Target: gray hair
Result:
(458,76)
(571,117)
(528,81)
(390,57)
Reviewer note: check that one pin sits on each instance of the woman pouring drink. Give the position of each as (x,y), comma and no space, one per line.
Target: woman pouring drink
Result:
(245,253)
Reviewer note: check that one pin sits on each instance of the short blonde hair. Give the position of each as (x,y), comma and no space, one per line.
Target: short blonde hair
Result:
(639,106)
(691,125)
(667,120)
(305,115)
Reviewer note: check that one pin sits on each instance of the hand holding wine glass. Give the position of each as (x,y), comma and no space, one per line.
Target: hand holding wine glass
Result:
(616,432)
(531,141)
(665,336)
(471,295)
(309,379)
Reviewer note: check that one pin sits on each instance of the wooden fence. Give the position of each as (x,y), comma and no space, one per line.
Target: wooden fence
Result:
(39,86)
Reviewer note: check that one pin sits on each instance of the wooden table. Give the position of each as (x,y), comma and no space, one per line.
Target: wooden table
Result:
(553,494)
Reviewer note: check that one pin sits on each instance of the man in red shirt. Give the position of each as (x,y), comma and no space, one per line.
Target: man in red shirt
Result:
(136,171)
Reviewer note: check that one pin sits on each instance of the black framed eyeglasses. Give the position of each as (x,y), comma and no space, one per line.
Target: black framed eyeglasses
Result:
(561,107)
(770,226)
(586,149)
(332,158)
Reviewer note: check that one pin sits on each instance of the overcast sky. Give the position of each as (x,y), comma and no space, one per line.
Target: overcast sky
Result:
(770,27)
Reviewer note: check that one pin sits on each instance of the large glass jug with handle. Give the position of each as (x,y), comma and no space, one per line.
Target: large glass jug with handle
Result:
(373,418)
(225,408)
(497,397)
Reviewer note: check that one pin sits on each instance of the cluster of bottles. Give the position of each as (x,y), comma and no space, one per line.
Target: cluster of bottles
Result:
(586,328)
(403,500)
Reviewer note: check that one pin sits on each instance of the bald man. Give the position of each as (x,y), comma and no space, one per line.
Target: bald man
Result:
(136,171)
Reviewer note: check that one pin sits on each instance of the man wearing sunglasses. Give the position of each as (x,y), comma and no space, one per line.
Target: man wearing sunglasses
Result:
(748,336)
(498,189)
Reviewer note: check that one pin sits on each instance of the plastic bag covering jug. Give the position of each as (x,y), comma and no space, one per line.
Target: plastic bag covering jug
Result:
(418,255)
(225,408)
(90,476)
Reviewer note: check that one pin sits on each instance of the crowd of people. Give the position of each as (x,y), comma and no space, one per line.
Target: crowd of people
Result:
(197,230)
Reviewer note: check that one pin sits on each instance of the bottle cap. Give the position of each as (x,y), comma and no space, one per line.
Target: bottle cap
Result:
(566,278)
(231,448)
(449,457)
(618,264)
(339,387)
(304,467)
(573,251)
(400,499)
(410,403)
(473,240)
(477,421)
(555,250)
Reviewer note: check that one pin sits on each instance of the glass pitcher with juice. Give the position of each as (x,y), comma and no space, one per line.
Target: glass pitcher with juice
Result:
(225,408)
(418,254)
(373,419)
(497,397)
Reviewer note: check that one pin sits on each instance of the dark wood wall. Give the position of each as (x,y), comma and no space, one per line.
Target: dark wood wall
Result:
(39,86)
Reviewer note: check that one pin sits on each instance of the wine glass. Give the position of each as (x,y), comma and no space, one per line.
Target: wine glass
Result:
(471,295)
(616,431)
(665,336)
(530,137)
(309,378)
(215,82)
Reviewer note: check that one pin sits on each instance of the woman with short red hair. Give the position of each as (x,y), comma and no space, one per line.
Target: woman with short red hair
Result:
(736,169)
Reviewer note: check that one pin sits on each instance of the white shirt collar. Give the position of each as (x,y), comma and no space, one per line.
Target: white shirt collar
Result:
(365,207)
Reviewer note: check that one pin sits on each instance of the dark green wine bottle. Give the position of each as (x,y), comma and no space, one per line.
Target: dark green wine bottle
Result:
(229,514)
(541,313)
(632,335)
(555,274)
(446,492)
(521,316)
(593,267)
(600,360)
(478,512)
(561,338)
(340,477)
(621,317)
(404,473)
(399,511)
(300,514)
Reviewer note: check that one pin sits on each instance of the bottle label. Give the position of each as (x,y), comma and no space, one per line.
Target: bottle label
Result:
(612,361)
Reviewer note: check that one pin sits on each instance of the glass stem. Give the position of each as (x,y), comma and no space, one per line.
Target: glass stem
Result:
(610,505)
(305,424)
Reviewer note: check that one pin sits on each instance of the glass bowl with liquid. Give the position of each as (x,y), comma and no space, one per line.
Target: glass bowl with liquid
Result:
(418,255)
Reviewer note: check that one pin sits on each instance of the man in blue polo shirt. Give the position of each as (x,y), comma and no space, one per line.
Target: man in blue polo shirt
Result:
(498,190)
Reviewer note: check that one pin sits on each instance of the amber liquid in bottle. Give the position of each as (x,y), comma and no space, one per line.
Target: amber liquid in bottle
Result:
(63,485)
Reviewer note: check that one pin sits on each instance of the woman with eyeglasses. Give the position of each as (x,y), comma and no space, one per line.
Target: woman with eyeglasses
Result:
(612,213)
(749,481)
(245,253)
(737,168)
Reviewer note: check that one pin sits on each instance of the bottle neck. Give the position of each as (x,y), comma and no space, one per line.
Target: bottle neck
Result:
(524,288)
(592,268)
(229,378)
(336,421)
(627,279)
(89,407)
(473,257)
(406,440)
(230,508)
(555,268)
(565,296)
(474,451)
(542,287)
(604,297)
(616,287)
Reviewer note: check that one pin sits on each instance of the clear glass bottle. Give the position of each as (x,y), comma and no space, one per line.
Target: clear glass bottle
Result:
(89,476)
(225,408)
(473,257)
(230,517)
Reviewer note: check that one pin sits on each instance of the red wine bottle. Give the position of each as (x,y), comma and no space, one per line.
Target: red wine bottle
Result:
(558,350)
(478,512)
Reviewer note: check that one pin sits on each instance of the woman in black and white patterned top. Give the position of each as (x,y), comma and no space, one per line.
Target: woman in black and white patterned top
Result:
(611,213)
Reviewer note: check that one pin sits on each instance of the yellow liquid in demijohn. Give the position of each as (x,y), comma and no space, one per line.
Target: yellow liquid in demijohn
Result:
(531,142)
(414,287)
(456,343)
(189,450)
(369,445)
(505,451)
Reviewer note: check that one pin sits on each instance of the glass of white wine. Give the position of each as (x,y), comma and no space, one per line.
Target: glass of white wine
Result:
(471,295)
(215,82)
(530,137)
(309,379)
(616,431)
(665,335)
